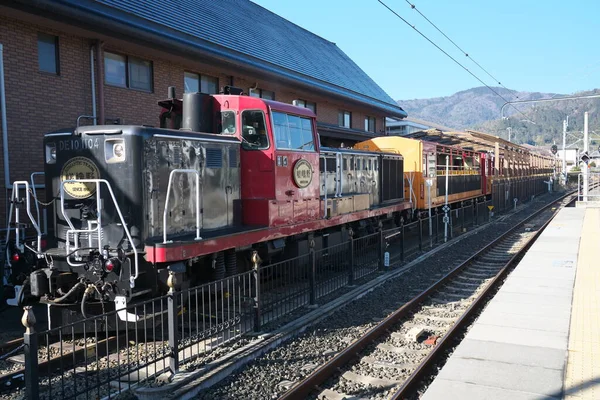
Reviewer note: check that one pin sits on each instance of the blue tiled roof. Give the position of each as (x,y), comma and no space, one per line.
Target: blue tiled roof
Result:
(247,30)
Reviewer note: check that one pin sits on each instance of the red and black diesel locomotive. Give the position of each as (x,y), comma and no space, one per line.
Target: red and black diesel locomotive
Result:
(223,176)
(131,203)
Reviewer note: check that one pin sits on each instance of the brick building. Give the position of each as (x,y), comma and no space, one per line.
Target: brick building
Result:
(115,59)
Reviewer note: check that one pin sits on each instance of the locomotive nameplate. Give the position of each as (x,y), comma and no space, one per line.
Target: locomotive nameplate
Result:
(79,168)
(302,173)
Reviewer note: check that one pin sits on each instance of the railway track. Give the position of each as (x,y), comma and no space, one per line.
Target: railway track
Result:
(391,358)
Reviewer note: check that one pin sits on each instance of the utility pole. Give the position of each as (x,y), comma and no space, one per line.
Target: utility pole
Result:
(585,150)
(564,155)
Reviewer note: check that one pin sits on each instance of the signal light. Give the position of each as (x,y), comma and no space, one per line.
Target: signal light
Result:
(111,264)
(15,257)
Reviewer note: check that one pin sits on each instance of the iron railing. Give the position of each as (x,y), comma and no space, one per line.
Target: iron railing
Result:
(103,355)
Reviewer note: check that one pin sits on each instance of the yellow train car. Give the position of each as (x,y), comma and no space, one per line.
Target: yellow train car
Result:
(429,166)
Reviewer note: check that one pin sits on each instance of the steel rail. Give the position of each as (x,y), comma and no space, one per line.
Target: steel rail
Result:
(446,341)
(317,377)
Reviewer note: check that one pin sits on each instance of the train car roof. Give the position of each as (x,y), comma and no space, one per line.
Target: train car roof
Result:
(153,131)
(355,151)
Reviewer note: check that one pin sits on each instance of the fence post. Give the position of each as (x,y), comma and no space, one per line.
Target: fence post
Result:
(381,248)
(402,242)
(420,234)
(313,273)
(172,317)
(256,268)
(462,221)
(476,212)
(30,343)
(351,272)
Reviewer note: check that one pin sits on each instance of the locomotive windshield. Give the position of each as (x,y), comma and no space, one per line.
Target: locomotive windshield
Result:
(254,132)
(292,132)
(227,126)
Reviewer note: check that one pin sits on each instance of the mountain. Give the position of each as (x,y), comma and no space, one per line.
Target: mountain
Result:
(479,109)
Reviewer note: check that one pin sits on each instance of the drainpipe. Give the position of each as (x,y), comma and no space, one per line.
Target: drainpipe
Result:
(7,182)
(93,79)
(100,80)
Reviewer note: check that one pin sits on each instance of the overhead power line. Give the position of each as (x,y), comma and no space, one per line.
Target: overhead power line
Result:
(449,56)
(456,45)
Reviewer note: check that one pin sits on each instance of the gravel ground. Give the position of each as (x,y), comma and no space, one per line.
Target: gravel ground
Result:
(271,374)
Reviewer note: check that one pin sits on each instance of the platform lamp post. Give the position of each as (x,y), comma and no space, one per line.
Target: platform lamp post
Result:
(446,208)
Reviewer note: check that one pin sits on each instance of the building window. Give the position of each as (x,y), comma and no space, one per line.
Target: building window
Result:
(48,53)
(345,119)
(200,83)
(370,124)
(307,104)
(263,94)
(128,72)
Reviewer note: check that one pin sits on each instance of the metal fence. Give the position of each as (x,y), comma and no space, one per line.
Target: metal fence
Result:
(593,187)
(104,355)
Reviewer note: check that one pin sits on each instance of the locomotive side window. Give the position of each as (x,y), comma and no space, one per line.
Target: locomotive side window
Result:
(227,126)
(254,131)
(292,132)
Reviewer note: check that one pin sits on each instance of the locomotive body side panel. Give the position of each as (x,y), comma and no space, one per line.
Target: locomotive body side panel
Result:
(216,161)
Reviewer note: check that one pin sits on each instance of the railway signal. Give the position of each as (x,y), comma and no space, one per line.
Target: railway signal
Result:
(554,149)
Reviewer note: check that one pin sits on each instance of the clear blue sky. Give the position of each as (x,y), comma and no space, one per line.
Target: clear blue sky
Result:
(529,45)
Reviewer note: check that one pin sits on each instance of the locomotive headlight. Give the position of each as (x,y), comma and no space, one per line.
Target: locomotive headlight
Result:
(119,150)
(114,151)
(51,153)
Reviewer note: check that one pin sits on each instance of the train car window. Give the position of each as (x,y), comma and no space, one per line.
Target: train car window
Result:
(376,165)
(282,130)
(345,164)
(321,164)
(307,134)
(358,164)
(330,164)
(293,132)
(254,132)
(352,163)
(364,163)
(370,168)
(227,125)
(295,124)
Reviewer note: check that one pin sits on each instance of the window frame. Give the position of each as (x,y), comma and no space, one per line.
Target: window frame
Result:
(306,103)
(312,133)
(342,118)
(128,72)
(243,144)
(368,120)
(260,92)
(56,53)
(200,76)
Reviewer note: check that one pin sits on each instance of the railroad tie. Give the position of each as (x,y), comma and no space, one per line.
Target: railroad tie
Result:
(369,380)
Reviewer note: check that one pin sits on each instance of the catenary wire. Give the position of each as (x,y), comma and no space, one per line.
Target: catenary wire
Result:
(449,56)
(457,46)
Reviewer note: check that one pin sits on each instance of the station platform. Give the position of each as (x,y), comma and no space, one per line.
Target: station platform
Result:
(539,337)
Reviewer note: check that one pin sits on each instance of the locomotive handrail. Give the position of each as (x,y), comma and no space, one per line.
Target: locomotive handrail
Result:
(37,206)
(15,198)
(97,182)
(198,199)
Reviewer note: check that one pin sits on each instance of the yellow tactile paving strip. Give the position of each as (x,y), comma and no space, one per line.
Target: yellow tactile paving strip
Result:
(582,379)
